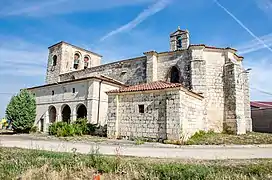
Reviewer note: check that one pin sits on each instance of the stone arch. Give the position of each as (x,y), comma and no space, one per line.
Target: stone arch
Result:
(52,114)
(174,75)
(66,113)
(81,111)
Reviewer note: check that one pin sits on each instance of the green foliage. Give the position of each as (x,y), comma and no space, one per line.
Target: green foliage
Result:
(212,138)
(87,128)
(16,163)
(78,128)
(34,129)
(139,142)
(200,136)
(21,110)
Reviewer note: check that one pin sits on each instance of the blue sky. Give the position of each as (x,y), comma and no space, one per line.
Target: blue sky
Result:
(120,29)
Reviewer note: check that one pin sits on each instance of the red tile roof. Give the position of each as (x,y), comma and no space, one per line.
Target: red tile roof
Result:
(261,104)
(158,85)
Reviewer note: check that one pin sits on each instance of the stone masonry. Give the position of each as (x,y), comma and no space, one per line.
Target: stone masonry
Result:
(216,74)
(169,113)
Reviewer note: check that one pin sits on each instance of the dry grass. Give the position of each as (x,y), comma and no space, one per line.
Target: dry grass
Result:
(44,165)
(211,138)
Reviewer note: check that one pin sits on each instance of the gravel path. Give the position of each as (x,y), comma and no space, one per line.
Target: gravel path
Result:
(145,150)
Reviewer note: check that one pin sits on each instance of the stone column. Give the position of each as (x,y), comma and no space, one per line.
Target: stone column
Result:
(73,114)
(151,66)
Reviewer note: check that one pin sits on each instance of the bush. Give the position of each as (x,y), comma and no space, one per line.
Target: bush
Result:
(21,110)
(78,128)
(34,129)
(53,128)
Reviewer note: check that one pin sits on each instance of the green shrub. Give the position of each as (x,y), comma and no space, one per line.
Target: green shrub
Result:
(82,124)
(139,142)
(34,129)
(200,136)
(21,110)
(78,128)
(55,127)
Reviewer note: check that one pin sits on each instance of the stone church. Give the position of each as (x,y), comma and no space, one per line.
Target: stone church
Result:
(160,95)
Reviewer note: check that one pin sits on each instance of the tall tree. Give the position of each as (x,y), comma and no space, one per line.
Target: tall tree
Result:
(21,110)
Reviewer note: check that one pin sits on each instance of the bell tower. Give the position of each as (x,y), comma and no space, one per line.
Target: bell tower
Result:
(179,40)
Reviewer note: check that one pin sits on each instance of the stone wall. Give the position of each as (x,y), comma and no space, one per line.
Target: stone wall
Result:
(168,114)
(214,94)
(132,123)
(234,99)
(65,60)
(247,102)
(179,59)
(130,72)
(193,119)
(52,73)
(91,93)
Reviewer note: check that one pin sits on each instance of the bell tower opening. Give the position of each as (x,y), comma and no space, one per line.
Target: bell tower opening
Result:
(179,40)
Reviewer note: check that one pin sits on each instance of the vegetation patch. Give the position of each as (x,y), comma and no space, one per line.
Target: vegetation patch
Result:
(78,128)
(21,110)
(212,138)
(36,164)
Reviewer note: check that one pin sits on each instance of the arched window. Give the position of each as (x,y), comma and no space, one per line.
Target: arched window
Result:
(76,60)
(175,75)
(55,60)
(86,62)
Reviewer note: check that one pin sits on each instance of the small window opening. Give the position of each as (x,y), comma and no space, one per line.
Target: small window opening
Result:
(74,90)
(141,108)
(76,61)
(53,93)
(86,62)
(55,60)
(179,42)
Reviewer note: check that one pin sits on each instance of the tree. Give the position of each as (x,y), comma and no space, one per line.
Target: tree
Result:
(21,110)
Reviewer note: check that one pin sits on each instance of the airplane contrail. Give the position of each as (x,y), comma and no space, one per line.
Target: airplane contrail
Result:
(243,26)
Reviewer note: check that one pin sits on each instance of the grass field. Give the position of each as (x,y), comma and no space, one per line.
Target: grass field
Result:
(212,138)
(44,165)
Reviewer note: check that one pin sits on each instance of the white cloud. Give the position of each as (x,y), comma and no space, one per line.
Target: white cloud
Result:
(260,77)
(255,45)
(265,5)
(20,58)
(56,7)
(153,9)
